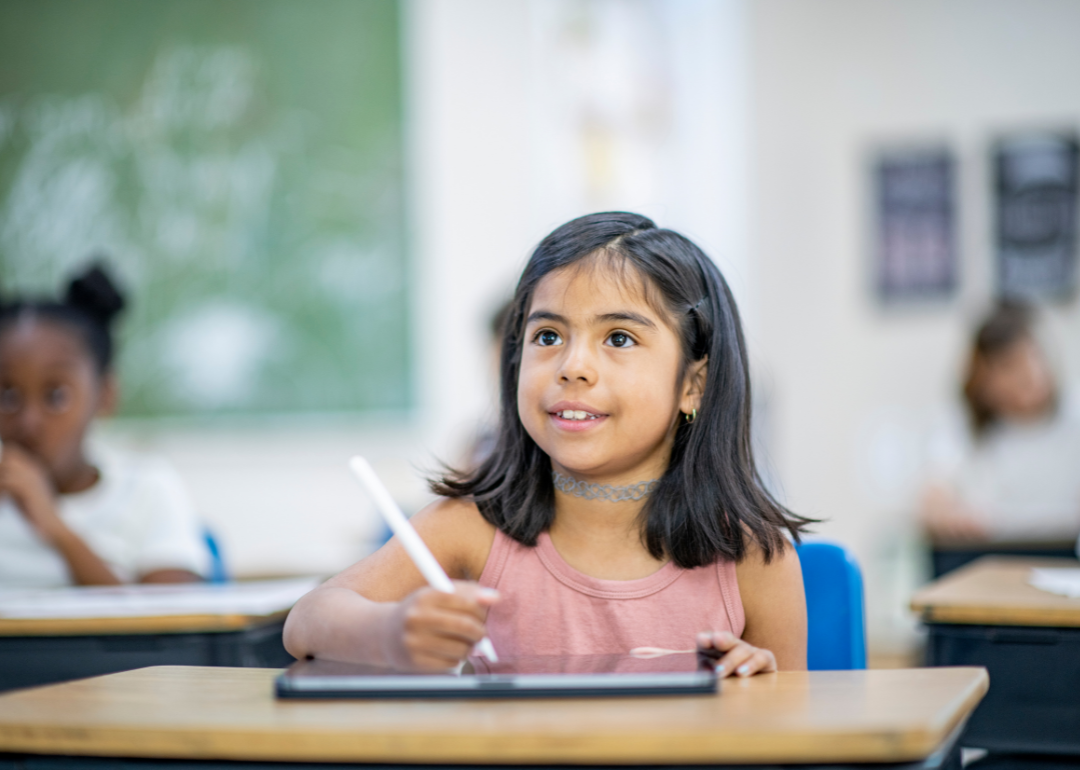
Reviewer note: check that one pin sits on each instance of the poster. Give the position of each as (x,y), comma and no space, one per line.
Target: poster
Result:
(916,242)
(1036,200)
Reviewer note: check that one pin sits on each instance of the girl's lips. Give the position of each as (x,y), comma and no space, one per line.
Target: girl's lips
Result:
(576,426)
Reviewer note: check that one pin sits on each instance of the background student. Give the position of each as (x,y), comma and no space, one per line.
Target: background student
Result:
(621,507)
(69,513)
(1017,477)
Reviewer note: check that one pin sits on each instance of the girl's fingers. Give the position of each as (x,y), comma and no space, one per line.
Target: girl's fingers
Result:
(740,658)
(759,661)
(468,598)
(717,640)
(443,650)
(454,625)
(479,597)
(427,662)
(438,630)
(735,658)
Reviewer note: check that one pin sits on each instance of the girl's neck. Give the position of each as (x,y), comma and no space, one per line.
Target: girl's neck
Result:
(601,538)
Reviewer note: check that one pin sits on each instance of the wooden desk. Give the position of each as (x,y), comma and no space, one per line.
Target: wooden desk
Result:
(231,714)
(164,624)
(994,591)
(36,651)
(986,614)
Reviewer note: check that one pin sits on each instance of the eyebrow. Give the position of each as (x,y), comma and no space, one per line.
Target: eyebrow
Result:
(634,318)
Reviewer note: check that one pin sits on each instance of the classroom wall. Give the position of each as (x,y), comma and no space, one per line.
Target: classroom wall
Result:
(520,114)
(855,388)
(767,113)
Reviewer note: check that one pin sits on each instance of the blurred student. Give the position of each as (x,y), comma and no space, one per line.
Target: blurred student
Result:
(1017,480)
(70,514)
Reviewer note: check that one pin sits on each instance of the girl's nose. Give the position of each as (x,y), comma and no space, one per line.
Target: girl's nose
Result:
(26,423)
(578,364)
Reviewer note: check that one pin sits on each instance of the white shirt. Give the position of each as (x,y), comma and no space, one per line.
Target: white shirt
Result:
(137,518)
(1023,479)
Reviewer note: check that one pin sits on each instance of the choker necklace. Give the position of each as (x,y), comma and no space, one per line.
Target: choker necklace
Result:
(602,491)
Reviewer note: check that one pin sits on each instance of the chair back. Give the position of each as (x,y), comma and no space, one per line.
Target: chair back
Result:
(836,628)
(218,573)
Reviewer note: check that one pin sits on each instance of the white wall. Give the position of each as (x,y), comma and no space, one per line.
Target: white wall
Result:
(753,139)
(501,97)
(855,387)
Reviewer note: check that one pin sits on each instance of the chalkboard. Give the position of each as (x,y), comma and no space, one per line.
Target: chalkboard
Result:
(240,166)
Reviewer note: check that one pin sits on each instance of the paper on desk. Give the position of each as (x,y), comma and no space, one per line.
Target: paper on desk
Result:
(261,597)
(1057,580)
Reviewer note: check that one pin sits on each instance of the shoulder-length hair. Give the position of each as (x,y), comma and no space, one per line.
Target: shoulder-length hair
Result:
(711,500)
(1010,322)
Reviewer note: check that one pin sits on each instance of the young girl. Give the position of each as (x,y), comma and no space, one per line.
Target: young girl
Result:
(621,507)
(66,516)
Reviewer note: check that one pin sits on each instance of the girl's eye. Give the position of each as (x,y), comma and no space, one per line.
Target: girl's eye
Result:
(620,340)
(547,338)
(58,399)
(10,401)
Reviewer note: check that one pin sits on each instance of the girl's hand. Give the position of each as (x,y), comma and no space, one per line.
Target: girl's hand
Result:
(24,478)
(738,658)
(436,630)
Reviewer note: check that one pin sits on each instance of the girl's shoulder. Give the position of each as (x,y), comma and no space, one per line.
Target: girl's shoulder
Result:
(759,577)
(457,534)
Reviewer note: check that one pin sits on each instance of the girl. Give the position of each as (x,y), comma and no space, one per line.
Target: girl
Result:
(621,507)
(66,516)
(1017,480)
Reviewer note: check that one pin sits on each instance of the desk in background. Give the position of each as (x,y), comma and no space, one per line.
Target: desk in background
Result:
(53,636)
(986,614)
(222,715)
(946,557)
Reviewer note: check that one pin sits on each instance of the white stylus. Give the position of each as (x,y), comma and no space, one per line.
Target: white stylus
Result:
(410,540)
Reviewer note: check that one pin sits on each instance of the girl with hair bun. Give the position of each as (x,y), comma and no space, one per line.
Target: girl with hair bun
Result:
(70,513)
(621,510)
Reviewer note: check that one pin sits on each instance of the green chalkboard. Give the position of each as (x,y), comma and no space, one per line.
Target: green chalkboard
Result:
(239,162)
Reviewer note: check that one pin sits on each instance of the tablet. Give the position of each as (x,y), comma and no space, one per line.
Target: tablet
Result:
(526,677)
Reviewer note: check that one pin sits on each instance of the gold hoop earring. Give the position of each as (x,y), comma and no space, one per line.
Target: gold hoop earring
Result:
(691,417)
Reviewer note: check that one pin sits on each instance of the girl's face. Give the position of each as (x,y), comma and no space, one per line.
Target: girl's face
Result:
(599,387)
(1016,382)
(50,390)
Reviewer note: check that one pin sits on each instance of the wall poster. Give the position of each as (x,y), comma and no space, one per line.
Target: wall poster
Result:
(916,243)
(1036,207)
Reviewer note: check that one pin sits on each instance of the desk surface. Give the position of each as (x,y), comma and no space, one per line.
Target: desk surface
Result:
(994,591)
(221,713)
(163,624)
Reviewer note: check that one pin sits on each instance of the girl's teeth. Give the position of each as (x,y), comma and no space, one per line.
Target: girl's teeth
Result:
(571,414)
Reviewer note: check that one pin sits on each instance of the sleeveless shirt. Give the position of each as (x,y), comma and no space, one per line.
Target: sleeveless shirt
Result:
(546,607)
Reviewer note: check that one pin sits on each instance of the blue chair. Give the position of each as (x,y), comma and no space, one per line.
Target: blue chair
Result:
(218,573)
(836,637)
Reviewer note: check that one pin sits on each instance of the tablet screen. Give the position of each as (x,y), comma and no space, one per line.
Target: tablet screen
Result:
(531,676)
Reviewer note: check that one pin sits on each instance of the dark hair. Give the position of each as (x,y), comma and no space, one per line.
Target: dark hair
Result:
(89,306)
(497,322)
(1008,323)
(711,497)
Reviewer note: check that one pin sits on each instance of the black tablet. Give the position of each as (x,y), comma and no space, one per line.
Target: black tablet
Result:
(526,677)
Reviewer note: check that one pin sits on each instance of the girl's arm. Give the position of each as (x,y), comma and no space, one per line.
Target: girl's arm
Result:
(380,611)
(22,477)
(946,518)
(775,606)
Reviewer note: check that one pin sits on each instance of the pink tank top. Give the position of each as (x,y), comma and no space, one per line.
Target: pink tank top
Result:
(546,607)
